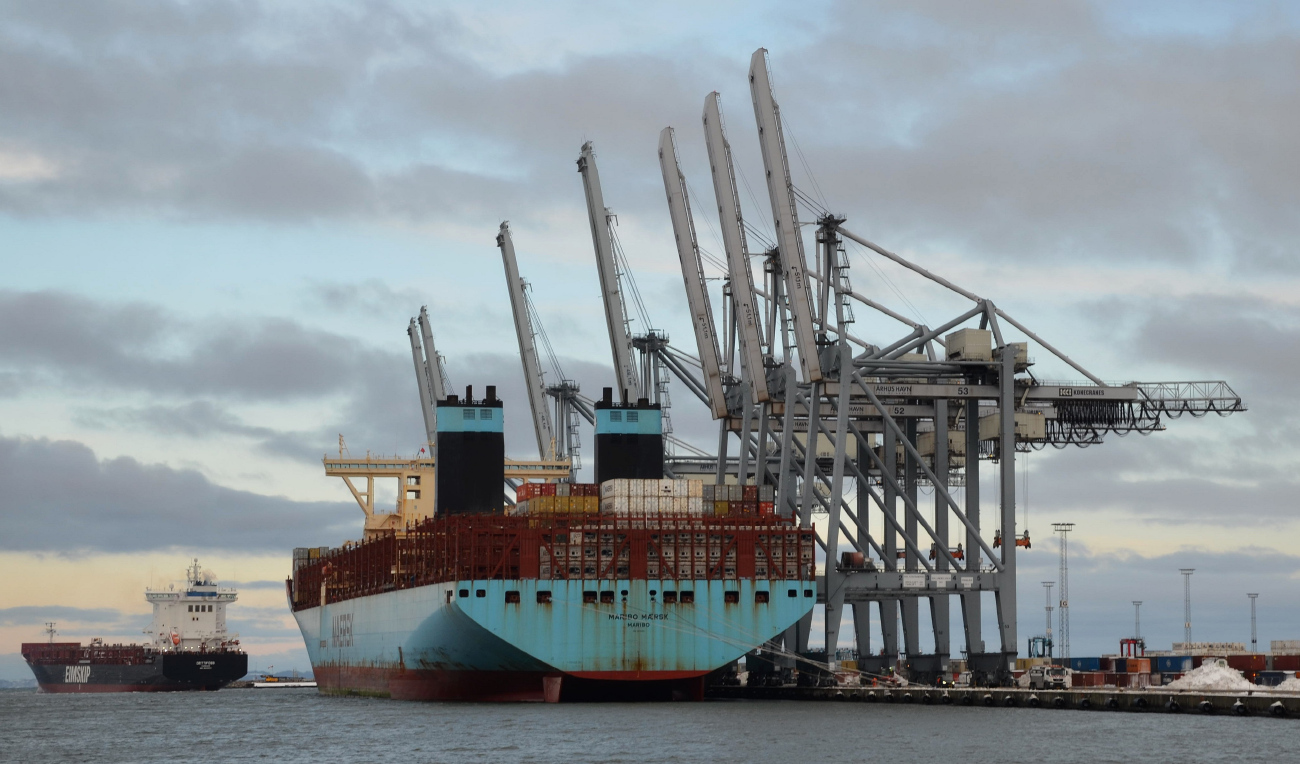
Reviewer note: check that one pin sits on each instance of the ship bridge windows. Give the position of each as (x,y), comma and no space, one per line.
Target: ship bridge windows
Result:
(543,597)
(607,598)
(480,592)
(465,592)
(687,598)
(512,597)
(588,597)
(731,598)
(792,593)
(760,597)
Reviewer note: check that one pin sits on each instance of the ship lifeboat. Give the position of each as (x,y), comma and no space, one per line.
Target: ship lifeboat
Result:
(176,639)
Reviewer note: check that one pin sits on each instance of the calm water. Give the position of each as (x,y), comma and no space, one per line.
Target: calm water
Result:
(301,726)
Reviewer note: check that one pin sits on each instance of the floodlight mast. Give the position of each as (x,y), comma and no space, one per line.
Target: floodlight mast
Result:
(688,252)
(620,339)
(533,379)
(749,327)
(785,217)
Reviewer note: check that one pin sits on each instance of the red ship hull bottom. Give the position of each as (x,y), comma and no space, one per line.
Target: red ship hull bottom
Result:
(509,686)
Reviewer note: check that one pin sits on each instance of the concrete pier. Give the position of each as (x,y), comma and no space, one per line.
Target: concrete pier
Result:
(1154,700)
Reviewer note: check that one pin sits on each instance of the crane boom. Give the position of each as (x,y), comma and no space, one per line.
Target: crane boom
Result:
(748,322)
(780,190)
(615,314)
(427,409)
(533,379)
(688,251)
(433,363)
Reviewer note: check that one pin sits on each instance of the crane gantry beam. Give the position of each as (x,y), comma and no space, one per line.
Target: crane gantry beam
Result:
(697,294)
(620,338)
(780,190)
(427,409)
(433,363)
(749,329)
(533,379)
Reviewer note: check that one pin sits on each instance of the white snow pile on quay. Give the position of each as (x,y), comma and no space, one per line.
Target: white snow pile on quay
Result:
(1290,684)
(1212,676)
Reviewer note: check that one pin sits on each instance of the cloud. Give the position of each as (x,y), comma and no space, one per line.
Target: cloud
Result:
(1051,133)
(62,498)
(28,615)
(371,297)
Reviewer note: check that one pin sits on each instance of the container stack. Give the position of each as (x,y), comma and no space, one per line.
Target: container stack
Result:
(625,497)
(662,498)
(740,500)
(541,499)
(305,555)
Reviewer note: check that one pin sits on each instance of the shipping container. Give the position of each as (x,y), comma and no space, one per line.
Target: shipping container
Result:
(1173,664)
(1286,662)
(1138,665)
(1087,678)
(1247,662)
(1271,678)
(1085,664)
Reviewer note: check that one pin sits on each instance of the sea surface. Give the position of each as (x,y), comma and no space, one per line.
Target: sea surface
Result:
(301,726)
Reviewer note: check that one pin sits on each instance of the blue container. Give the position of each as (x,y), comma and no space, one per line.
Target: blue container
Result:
(1271,678)
(1121,665)
(1173,664)
(1085,664)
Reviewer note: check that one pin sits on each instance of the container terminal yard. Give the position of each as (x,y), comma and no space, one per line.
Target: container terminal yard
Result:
(679,573)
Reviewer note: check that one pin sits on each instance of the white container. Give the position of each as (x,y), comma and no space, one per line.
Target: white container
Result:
(969,345)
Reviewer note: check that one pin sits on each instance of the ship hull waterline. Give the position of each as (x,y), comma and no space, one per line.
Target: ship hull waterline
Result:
(181,672)
(544,640)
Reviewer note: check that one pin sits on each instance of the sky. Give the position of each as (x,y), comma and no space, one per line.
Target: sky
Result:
(217,218)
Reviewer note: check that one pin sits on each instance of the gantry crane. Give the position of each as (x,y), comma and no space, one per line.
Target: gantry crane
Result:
(895,416)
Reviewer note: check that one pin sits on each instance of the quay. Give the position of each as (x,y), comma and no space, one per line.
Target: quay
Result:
(1250,703)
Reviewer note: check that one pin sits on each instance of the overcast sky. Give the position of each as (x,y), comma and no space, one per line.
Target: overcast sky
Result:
(217,218)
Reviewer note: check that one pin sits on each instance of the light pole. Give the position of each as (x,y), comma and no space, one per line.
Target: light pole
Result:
(1187,605)
(1253,641)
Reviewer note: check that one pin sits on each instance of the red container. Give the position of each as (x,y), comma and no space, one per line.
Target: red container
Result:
(1108,664)
(1138,665)
(766,508)
(1087,679)
(751,493)
(1286,662)
(1247,662)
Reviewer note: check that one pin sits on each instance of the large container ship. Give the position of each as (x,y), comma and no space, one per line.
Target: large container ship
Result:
(190,650)
(634,587)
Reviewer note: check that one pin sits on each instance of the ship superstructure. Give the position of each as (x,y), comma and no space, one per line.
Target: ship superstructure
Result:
(192,617)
